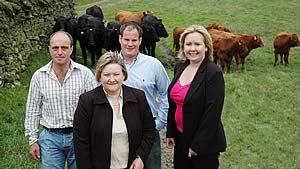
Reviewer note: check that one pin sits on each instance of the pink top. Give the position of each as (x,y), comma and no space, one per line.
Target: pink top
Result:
(177,94)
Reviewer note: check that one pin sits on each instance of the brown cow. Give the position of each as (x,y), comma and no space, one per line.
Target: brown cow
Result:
(125,16)
(226,45)
(218,27)
(250,41)
(282,44)
(225,49)
(177,31)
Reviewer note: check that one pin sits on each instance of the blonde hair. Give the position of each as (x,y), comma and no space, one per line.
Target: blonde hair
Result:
(110,58)
(207,41)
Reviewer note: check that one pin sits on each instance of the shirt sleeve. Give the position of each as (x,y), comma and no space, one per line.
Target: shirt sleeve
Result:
(91,82)
(162,84)
(33,110)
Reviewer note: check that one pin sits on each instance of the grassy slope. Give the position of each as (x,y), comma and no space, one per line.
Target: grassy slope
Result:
(261,113)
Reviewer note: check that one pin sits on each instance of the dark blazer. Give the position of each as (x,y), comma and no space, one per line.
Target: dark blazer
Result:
(202,127)
(93,127)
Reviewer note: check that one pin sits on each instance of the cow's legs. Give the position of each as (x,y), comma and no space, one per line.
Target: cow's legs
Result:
(281,55)
(275,58)
(237,62)
(73,56)
(84,55)
(243,63)
(286,59)
(93,57)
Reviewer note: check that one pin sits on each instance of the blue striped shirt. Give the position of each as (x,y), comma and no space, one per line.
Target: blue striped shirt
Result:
(148,74)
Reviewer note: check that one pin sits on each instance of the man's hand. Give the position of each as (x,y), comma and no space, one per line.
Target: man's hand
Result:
(170,143)
(137,164)
(35,151)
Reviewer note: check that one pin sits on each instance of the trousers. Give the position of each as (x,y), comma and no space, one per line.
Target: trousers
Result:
(201,161)
(154,158)
(56,149)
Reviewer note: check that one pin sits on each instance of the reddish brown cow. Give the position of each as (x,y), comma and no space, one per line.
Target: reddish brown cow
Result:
(282,44)
(218,27)
(177,31)
(226,45)
(250,42)
(125,16)
(225,49)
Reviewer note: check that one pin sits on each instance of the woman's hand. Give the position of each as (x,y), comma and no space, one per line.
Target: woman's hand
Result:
(137,164)
(170,143)
(191,153)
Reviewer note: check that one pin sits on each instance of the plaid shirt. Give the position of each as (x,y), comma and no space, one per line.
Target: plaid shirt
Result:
(51,103)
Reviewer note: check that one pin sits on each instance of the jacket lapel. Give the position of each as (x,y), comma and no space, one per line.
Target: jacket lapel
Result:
(178,71)
(197,80)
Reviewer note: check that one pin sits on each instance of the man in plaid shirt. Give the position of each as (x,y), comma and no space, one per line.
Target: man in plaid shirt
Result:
(52,99)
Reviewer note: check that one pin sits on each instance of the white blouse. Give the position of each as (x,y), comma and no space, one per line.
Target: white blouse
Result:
(120,144)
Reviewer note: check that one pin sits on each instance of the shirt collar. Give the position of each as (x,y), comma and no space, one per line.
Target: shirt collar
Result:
(47,68)
(107,95)
(135,59)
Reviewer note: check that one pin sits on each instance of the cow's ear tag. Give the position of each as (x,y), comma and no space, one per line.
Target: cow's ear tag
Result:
(81,33)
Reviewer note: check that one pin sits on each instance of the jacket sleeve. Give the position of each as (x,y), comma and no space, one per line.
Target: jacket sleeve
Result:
(81,134)
(206,134)
(149,129)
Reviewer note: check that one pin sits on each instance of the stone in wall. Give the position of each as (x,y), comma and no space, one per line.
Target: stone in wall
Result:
(24,30)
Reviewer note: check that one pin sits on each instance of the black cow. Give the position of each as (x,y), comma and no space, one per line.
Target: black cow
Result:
(159,29)
(91,37)
(112,36)
(68,24)
(157,24)
(95,11)
(149,39)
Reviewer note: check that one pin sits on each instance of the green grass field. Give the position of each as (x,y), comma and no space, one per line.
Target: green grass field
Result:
(262,105)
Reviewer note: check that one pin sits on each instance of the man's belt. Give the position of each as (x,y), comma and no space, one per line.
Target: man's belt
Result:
(61,130)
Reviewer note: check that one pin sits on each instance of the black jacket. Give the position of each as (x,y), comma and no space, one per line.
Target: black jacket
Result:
(93,128)
(202,127)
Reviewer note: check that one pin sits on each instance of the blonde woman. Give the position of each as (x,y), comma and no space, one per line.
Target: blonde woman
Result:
(196,98)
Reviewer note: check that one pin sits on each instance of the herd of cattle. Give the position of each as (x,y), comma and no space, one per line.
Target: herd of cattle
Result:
(93,35)
(228,45)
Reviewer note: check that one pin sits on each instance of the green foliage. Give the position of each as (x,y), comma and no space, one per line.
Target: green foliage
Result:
(261,111)
(15,148)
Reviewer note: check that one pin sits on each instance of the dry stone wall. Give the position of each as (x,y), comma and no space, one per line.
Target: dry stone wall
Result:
(25,26)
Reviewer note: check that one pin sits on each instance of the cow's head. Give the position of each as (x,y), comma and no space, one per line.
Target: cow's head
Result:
(258,41)
(294,41)
(61,23)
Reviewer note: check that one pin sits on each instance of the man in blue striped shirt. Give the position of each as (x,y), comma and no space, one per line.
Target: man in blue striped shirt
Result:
(52,99)
(146,73)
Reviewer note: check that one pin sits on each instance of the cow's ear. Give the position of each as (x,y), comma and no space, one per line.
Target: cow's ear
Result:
(55,18)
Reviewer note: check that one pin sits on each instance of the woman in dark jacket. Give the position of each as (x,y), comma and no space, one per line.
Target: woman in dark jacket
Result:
(113,124)
(196,97)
